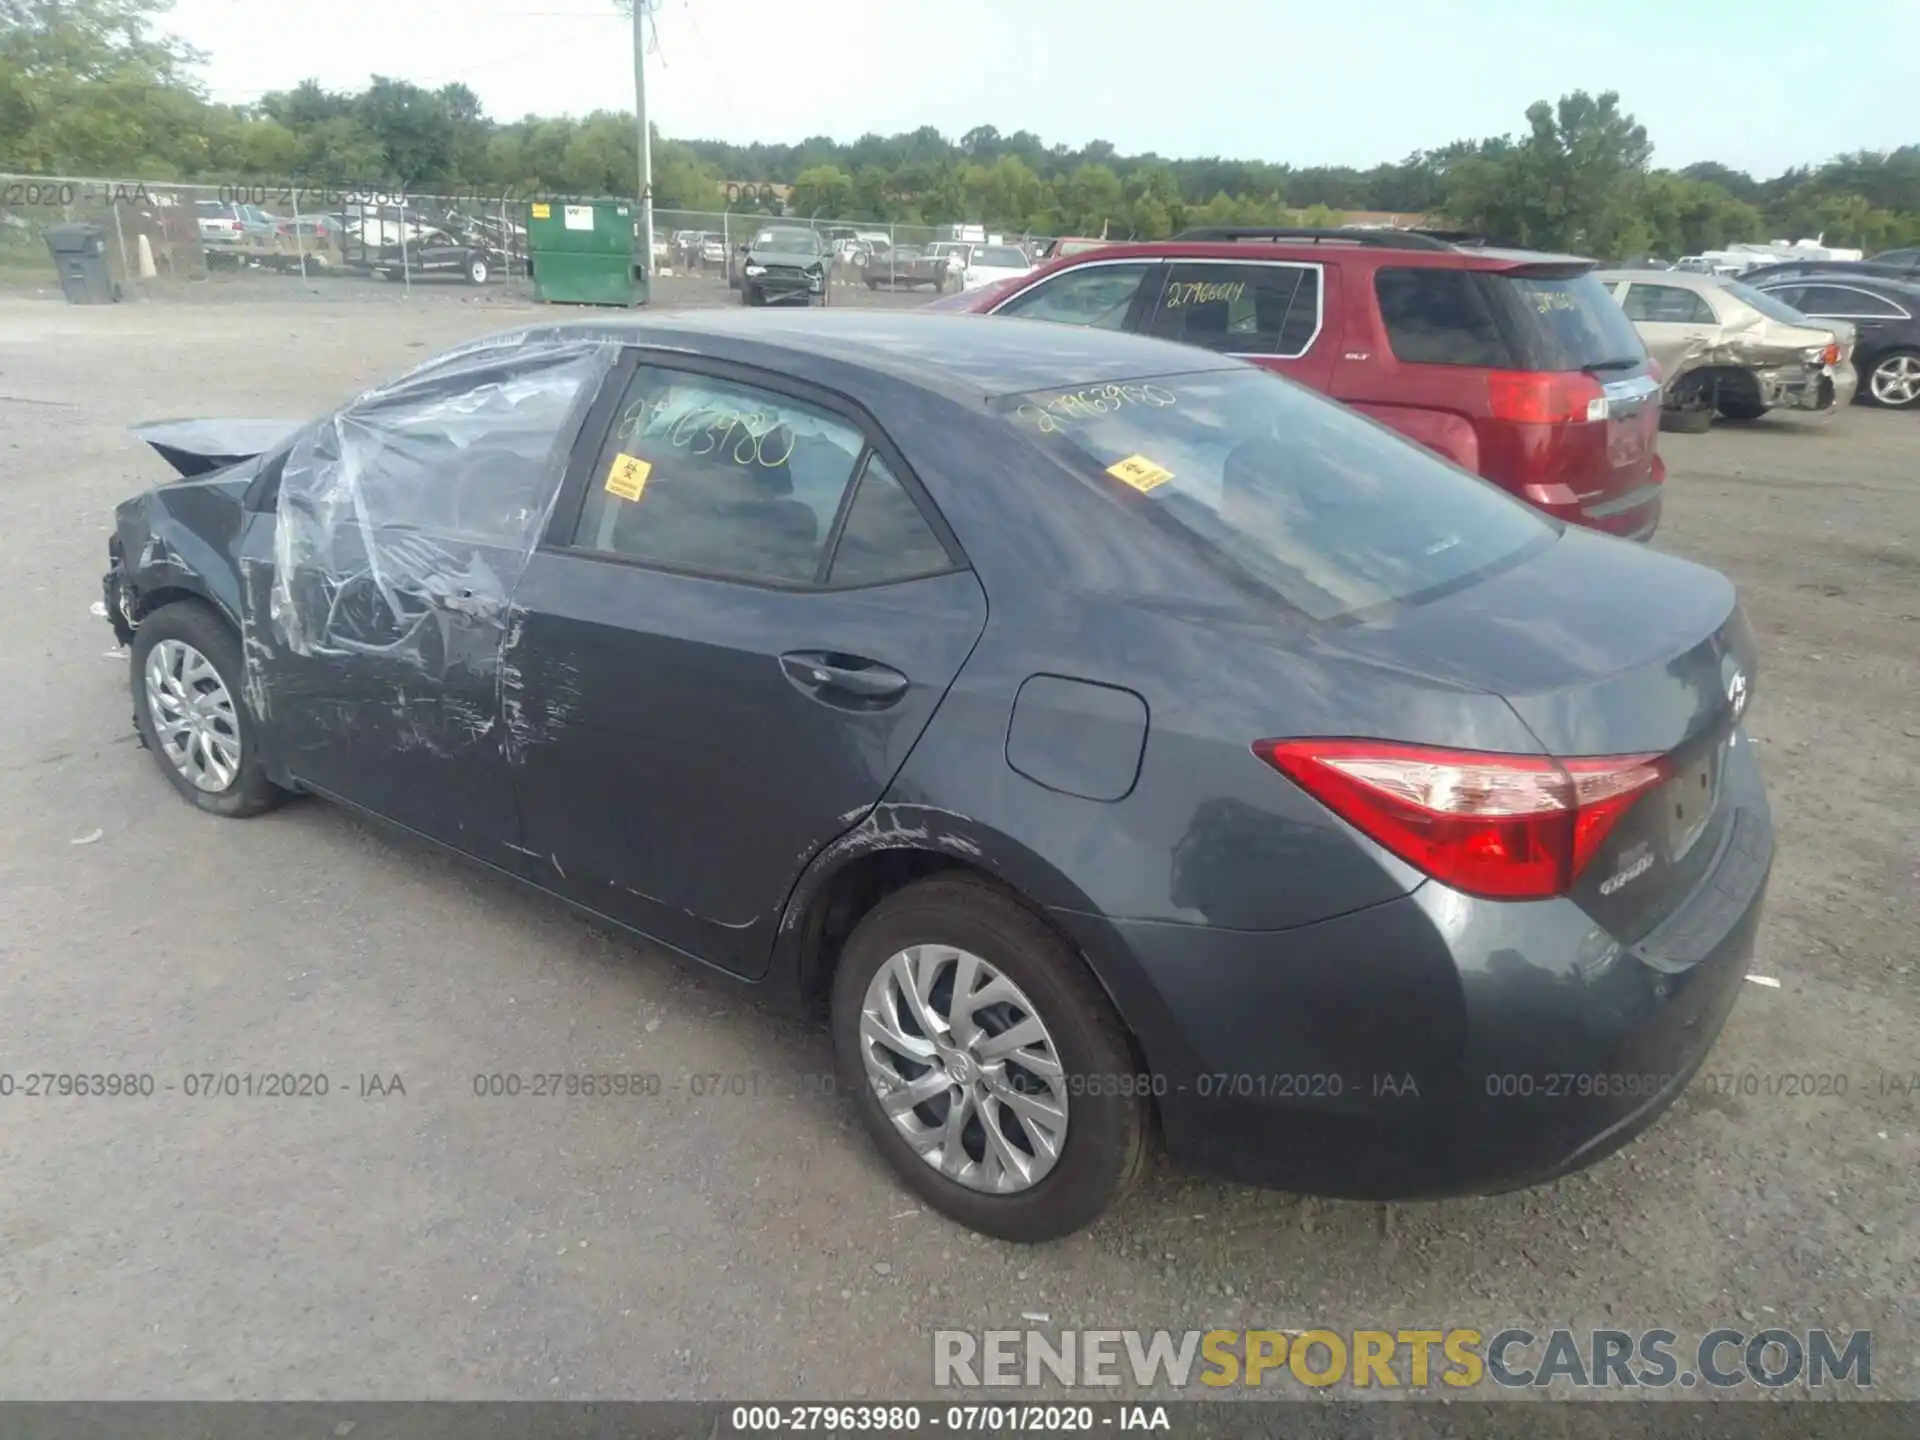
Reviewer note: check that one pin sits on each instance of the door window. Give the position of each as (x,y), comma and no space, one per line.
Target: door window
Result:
(1241,309)
(1667,305)
(1096,295)
(714,475)
(1843,302)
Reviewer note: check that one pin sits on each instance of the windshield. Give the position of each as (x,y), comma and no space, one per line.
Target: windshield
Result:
(798,241)
(1771,306)
(1329,512)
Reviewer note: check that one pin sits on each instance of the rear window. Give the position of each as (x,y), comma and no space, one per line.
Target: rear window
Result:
(1003,257)
(1503,321)
(1329,512)
(1571,323)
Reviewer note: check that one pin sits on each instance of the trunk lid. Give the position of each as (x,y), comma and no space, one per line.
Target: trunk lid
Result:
(196,447)
(1604,649)
(1560,319)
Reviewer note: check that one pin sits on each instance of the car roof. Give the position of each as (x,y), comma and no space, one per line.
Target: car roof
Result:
(1363,247)
(965,357)
(1908,290)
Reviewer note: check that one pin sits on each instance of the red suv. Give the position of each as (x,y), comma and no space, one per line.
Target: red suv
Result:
(1514,364)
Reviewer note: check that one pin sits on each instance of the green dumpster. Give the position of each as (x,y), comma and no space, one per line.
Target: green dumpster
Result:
(584,253)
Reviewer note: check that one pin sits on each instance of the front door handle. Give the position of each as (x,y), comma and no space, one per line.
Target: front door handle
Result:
(834,677)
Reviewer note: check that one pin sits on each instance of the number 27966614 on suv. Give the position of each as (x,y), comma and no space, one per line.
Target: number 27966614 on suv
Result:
(1105,738)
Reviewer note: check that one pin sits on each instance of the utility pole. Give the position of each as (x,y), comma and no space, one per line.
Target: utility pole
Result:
(641,9)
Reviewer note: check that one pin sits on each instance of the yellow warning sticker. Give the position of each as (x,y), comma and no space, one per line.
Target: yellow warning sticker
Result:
(542,212)
(1139,472)
(627,477)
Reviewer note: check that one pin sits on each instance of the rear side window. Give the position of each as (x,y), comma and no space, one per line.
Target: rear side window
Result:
(1667,305)
(1440,317)
(1241,309)
(886,538)
(1283,489)
(1095,295)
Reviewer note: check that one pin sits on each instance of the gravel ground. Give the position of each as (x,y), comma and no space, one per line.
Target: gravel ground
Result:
(433,1243)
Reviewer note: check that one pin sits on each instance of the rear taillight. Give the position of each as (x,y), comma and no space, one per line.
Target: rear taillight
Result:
(1831,355)
(1545,397)
(1504,827)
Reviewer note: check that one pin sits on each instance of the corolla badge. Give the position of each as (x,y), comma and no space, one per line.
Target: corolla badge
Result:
(1737,693)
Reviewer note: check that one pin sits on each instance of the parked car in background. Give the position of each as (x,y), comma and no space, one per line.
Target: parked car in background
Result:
(1886,316)
(233,234)
(954,254)
(713,249)
(1906,261)
(471,258)
(1729,350)
(1513,364)
(785,263)
(906,266)
(987,264)
(991,689)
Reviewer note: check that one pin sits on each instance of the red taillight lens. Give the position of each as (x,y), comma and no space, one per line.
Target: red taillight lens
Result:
(1545,397)
(1504,827)
(1831,355)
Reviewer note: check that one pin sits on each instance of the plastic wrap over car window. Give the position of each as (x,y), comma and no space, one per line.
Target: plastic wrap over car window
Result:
(416,507)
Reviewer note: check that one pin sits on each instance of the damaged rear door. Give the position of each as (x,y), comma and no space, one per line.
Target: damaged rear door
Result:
(375,625)
(743,619)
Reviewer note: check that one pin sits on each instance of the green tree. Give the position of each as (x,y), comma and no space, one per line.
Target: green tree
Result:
(825,190)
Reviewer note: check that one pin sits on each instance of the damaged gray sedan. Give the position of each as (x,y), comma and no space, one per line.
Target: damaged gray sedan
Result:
(1115,743)
(1727,350)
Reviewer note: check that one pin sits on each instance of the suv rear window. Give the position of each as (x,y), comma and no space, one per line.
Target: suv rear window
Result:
(1327,512)
(1503,321)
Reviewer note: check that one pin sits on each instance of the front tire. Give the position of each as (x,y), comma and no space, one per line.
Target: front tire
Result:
(190,706)
(477,270)
(976,1045)
(1894,381)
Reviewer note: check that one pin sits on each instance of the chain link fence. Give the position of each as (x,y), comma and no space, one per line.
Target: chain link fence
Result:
(164,236)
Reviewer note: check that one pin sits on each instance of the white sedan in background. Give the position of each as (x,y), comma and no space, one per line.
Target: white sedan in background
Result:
(988,263)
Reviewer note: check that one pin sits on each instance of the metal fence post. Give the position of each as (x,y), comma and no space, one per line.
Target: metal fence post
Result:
(120,234)
(299,245)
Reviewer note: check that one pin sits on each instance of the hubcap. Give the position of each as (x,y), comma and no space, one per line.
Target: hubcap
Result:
(965,1068)
(193,715)
(1897,381)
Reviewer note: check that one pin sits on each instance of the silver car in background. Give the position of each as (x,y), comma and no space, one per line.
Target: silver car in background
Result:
(1726,349)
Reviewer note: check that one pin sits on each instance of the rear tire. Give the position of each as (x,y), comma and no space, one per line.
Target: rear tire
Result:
(1101,1148)
(1894,381)
(1687,420)
(199,676)
(1733,408)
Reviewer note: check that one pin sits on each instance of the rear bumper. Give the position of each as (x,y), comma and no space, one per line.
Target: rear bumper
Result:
(1434,1045)
(1798,387)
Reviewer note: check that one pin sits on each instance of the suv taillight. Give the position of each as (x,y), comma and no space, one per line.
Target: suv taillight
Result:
(1504,827)
(1545,397)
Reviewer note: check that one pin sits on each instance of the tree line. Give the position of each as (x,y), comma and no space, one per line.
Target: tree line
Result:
(94,88)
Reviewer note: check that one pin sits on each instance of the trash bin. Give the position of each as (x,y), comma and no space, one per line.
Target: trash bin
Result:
(80,255)
(584,254)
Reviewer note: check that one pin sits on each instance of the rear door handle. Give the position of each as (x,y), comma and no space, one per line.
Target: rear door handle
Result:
(832,676)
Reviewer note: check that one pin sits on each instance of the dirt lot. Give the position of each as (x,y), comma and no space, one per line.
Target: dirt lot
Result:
(433,1243)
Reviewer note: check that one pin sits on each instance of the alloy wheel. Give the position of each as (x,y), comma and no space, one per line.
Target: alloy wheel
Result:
(965,1068)
(193,715)
(1896,380)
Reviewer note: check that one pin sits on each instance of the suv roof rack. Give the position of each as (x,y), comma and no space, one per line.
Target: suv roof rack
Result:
(1385,239)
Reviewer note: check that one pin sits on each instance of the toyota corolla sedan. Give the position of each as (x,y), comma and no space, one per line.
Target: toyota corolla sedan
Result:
(1114,743)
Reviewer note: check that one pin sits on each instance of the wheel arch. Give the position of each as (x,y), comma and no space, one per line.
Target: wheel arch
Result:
(899,845)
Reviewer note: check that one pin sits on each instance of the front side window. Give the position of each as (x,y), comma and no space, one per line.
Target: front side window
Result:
(1287,491)
(712,475)
(1241,309)
(1095,295)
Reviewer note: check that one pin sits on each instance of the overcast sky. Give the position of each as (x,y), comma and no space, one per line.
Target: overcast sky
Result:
(1759,84)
